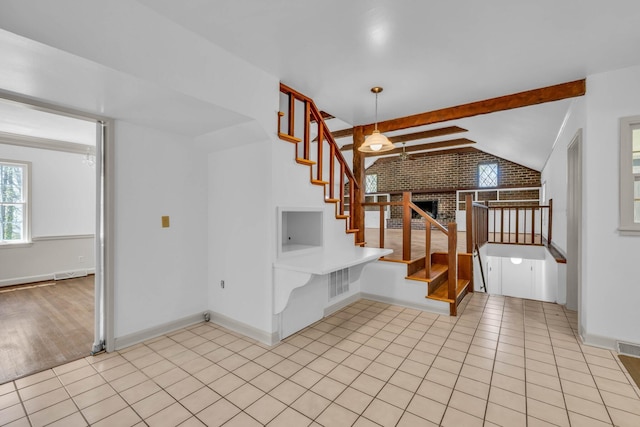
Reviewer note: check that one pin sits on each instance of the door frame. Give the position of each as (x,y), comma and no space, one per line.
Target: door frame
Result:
(104,231)
(574,224)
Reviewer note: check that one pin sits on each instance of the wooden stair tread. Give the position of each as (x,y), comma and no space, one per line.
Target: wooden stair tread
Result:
(332,200)
(441,293)
(319,182)
(305,161)
(342,216)
(361,244)
(437,270)
(352,230)
(289,138)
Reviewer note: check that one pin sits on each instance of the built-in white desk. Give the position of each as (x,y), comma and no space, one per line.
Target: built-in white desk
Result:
(294,271)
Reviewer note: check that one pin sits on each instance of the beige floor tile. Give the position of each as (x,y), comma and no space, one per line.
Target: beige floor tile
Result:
(395,395)
(454,418)
(9,399)
(53,413)
(34,379)
(12,413)
(426,408)
(265,409)
(587,408)
(546,412)
(104,408)
(124,418)
(267,381)
(286,368)
(168,417)
(94,396)
(289,418)
(405,381)
(44,400)
(585,421)
(218,413)
(184,387)
(546,395)
(337,416)
(623,403)
(368,384)
(210,374)
(200,399)
(410,420)
(244,396)
(306,377)
(623,418)
(226,384)
(287,392)
(310,404)
(31,391)
(74,420)
(354,400)
(468,404)
(140,391)
(383,413)
(153,403)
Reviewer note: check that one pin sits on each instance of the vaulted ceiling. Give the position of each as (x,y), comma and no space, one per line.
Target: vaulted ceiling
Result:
(427,55)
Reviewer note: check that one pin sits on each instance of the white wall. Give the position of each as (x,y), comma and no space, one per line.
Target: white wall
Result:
(554,172)
(160,273)
(62,210)
(610,280)
(241,234)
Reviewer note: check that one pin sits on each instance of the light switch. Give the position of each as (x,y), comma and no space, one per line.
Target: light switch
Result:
(165,222)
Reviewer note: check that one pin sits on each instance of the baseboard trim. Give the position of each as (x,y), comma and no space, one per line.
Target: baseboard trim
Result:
(34,279)
(244,329)
(600,341)
(155,331)
(342,304)
(402,303)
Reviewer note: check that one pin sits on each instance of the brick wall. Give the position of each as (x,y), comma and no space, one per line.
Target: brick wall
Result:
(446,171)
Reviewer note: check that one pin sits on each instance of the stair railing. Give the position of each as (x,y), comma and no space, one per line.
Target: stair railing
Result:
(450,231)
(345,180)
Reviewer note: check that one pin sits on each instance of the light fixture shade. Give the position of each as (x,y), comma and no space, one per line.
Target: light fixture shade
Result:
(376,143)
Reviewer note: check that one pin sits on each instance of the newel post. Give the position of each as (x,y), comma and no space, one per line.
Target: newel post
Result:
(406,226)
(358,193)
(453,265)
(468,206)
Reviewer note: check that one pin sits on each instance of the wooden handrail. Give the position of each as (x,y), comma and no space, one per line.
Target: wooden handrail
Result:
(326,133)
(428,218)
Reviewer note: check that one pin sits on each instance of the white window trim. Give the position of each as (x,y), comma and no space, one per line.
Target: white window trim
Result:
(627,224)
(497,174)
(27,208)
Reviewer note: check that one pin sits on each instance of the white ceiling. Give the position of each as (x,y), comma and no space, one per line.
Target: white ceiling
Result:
(427,55)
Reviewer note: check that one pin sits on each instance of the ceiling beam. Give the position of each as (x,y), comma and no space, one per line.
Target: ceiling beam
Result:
(417,135)
(342,133)
(501,103)
(422,147)
(325,116)
(430,153)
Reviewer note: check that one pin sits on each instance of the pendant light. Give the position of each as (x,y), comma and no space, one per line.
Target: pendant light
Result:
(376,142)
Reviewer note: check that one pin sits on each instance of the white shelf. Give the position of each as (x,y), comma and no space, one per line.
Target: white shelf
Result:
(325,262)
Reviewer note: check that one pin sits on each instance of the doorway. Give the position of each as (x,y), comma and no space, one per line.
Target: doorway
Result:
(574,225)
(41,130)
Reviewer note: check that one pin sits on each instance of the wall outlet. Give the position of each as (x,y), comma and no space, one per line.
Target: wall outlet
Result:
(222,284)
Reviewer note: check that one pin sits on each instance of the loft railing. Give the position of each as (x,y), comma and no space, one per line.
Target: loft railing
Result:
(450,231)
(520,224)
(328,166)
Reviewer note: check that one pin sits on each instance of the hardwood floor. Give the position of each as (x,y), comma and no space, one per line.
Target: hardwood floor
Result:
(393,240)
(45,325)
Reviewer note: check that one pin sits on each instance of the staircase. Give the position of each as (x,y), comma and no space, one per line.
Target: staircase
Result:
(437,277)
(448,275)
(327,166)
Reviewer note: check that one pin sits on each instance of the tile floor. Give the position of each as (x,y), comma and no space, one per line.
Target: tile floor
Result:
(503,361)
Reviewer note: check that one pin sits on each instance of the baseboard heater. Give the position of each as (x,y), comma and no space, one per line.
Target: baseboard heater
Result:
(62,275)
(629,349)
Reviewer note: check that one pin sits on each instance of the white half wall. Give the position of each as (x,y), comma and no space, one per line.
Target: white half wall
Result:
(160,273)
